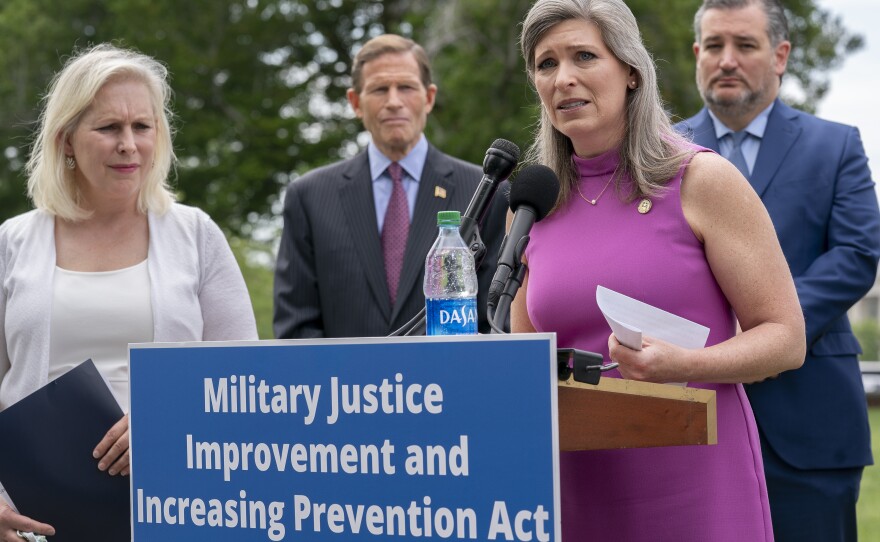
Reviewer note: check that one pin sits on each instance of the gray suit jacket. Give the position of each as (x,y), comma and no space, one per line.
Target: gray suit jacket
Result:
(330,274)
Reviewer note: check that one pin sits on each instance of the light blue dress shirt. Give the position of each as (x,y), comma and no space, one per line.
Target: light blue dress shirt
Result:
(751,144)
(412,164)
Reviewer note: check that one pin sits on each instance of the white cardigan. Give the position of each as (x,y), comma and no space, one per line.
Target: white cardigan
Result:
(197,291)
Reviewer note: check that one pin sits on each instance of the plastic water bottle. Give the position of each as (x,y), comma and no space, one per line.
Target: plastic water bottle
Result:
(450,281)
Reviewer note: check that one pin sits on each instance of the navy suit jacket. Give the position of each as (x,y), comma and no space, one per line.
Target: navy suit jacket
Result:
(330,273)
(813,177)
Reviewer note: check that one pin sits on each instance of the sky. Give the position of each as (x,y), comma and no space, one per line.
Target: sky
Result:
(853,97)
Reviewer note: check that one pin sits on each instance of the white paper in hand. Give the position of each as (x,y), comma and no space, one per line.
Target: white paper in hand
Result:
(630,318)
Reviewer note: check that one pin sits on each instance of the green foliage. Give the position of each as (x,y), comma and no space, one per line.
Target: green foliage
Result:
(256,263)
(868,508)
(868,333)
(668,34)
(260,84)
(32,38)
(483,89)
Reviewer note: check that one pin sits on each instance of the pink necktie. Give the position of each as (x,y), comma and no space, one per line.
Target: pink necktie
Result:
(395,230)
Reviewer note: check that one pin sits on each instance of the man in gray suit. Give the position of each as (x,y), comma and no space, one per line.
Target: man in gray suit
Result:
(356,233)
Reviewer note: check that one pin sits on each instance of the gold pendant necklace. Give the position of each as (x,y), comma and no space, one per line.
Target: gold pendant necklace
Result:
(594,200)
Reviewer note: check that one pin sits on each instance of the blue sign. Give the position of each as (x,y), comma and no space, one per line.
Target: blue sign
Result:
(436,438)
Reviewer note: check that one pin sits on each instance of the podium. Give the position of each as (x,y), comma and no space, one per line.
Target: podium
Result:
(336,439)
(619,413)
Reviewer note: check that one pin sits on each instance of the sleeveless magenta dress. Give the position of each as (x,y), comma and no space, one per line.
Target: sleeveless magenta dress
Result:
(677,494)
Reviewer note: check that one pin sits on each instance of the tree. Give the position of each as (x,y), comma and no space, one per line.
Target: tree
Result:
(484,93)
(31,42)
(260,84)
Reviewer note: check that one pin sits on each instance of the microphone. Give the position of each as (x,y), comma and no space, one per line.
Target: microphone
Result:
(532,195)
(501,158)
(500,161)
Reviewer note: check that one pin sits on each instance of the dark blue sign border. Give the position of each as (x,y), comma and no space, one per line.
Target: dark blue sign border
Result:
(437,438)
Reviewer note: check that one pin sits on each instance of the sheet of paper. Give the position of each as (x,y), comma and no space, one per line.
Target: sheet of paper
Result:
(626,335)
(630,318)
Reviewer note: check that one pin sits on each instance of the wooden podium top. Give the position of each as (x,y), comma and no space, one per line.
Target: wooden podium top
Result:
(619,413)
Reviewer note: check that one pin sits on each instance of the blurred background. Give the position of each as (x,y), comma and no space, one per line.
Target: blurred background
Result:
(260,98)
(260,86)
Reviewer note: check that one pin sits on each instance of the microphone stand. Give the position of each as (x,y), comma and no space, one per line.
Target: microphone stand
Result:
(505,298)
(587,367)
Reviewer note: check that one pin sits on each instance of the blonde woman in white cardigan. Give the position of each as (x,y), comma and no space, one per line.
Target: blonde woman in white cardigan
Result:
(107,258)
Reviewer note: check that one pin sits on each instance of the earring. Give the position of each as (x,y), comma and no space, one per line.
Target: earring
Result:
(70,162)
(633,85)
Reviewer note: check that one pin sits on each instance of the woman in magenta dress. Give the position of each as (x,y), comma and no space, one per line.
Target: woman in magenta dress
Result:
(645,213)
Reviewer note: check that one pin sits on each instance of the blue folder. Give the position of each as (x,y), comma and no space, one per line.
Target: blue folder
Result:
(46,463)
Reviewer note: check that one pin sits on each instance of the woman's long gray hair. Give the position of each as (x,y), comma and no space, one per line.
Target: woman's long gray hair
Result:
(651,152)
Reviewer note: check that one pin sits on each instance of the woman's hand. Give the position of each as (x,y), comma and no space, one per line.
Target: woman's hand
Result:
(112,451)
(10,521)
(657,361)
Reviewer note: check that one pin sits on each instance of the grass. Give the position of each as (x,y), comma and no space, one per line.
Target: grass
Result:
(869,498)
(256,263)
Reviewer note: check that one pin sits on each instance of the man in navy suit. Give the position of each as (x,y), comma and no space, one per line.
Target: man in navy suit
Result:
(356,233)
(814,179)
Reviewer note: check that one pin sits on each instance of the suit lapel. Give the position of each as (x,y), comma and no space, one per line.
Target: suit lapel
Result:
(702,130)
(423,229)
(356,196)
(779,137)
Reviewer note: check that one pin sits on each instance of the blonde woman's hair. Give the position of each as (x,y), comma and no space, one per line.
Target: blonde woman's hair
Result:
(652,152)
(51,185)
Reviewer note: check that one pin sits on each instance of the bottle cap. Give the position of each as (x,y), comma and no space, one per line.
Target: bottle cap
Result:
(448,218)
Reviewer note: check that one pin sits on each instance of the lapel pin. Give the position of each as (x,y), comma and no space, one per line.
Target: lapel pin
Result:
(645,206)
(439,192)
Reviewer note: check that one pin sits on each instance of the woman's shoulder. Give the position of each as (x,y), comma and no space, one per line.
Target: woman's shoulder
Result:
(26,236)
(186,225)
(188,222)
(25,224)
(183,216)
(713,191)
(694,155)
(708,170)
(180,211)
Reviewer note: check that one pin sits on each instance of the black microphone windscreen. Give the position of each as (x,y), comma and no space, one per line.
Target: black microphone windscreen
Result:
(507,146)
(536,186)
(501,159)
